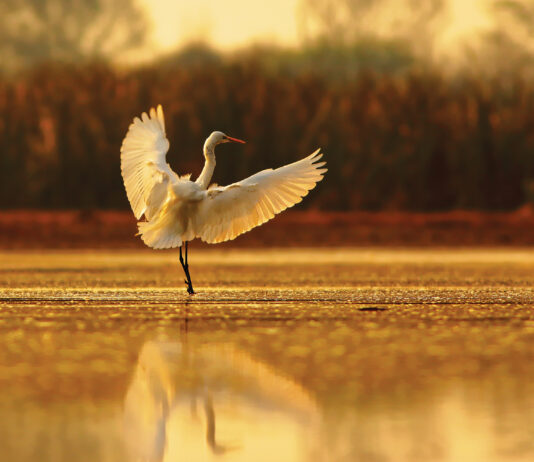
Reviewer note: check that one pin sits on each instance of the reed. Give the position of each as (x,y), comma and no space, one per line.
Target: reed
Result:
(410,141)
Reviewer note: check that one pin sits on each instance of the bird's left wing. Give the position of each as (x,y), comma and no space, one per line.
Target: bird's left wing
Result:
(145,171)
(229,211)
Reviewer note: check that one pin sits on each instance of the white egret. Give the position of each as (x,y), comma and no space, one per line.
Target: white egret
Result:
(190,400)
(178,210)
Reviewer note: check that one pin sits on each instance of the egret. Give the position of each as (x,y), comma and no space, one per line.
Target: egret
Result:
(198,399)
(178,210)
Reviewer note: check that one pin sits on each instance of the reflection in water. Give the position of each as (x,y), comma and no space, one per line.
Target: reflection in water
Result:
(414,383)
(196,402)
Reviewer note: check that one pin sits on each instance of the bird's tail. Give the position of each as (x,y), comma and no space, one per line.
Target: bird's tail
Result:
(160,233)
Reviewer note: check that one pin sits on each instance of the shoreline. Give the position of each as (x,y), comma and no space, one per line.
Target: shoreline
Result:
(75,229)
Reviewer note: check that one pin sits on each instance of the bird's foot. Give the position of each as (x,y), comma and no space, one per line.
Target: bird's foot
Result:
(190,290)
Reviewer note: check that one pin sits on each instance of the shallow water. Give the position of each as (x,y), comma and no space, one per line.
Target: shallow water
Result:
(290,355)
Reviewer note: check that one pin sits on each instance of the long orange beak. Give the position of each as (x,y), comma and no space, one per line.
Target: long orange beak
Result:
(235,140)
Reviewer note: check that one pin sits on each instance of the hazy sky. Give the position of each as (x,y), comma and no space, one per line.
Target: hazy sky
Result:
(231,24)
(224,24)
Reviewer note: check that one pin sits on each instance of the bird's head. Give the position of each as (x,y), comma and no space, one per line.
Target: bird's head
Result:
(218,138)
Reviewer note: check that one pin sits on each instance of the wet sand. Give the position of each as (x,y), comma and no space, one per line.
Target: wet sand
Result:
(287,354)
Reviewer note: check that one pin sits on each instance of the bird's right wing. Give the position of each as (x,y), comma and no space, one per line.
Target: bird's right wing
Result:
(145,171)
(229,211)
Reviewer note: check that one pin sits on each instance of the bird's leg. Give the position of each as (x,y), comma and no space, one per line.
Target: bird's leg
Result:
(186,264)
(182,262)
(185,267)
(190,286)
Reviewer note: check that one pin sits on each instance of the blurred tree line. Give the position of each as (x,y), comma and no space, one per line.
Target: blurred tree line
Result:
(76,31)
(408,141)
(396,135)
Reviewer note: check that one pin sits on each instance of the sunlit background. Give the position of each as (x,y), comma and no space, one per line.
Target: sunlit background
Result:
(355,345)
(292,23)
(417,106)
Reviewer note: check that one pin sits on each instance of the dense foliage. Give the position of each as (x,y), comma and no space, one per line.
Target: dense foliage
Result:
(405,141)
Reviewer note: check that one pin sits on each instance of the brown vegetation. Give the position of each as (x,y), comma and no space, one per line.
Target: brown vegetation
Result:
(411,141)
(106,229)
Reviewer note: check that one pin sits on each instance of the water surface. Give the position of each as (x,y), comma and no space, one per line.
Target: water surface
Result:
(290,355)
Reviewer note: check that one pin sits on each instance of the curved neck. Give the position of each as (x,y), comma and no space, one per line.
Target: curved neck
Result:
(204,178)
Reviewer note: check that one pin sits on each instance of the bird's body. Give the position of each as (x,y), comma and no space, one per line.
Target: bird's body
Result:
(178,210)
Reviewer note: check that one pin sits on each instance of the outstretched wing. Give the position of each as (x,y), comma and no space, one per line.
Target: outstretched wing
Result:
(145,171)
(227,212)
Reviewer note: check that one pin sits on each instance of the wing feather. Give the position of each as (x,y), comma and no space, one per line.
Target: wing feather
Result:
(144,169)
(227,212)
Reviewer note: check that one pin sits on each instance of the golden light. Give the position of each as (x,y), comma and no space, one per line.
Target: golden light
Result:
(226,26)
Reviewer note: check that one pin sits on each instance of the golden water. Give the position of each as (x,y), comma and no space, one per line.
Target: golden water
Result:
(288,355)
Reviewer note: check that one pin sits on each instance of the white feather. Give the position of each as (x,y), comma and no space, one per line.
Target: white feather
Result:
(227,212)
(178,210)
(145,171)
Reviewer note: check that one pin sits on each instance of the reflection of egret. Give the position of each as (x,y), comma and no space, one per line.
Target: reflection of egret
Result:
(247,411)
(178,210)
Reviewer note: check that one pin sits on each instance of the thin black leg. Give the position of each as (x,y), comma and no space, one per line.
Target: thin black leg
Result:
(182,263)
(185,267)
(190,287)
(186,263)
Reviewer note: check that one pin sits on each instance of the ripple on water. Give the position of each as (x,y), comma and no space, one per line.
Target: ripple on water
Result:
(326,355)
